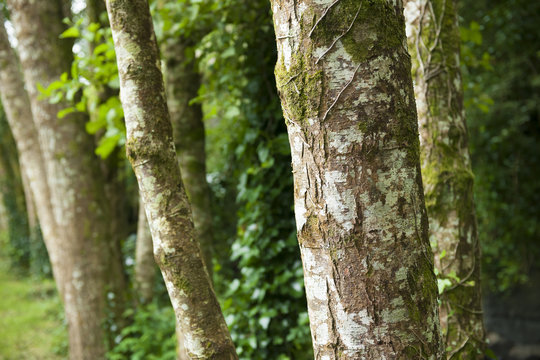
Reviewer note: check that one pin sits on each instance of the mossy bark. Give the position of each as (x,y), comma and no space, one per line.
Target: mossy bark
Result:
(80,211)
(150,149)
(343,74)
(182,84)
(434,44)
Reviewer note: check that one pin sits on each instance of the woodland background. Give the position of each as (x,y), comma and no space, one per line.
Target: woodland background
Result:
(257,268)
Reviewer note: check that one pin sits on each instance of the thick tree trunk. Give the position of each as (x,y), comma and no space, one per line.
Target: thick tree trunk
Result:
(343,73)
(144,259)
(182,85)
(73,175)
(434,43)
(151,150)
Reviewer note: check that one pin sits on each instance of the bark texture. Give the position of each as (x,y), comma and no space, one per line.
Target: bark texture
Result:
(151,151)
(182,85)
(434,44)
(19,115)
(73,176)
(144,259)
(343,73)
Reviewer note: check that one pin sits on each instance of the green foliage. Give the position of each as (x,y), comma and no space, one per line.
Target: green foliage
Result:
(264,302)
(259,276)
(151,335)
(92,86)
(502,81)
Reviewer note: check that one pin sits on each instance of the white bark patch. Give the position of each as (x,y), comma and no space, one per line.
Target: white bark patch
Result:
(337,61)
(194,344)
(350,326)
(343,140)
(339,199)
(412,14)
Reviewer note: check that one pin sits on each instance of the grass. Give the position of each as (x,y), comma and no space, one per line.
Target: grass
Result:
(31,325)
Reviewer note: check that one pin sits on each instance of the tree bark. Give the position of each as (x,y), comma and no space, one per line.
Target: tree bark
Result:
(19,115)
(182,84)
(150,148)
(434,44)
(72,172)
(144,259)
(343,73)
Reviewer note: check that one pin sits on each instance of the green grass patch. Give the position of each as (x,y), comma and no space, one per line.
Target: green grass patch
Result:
(31,325)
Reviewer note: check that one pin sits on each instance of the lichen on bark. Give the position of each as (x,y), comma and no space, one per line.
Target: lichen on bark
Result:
(343,74)
(150,149)
(434,44)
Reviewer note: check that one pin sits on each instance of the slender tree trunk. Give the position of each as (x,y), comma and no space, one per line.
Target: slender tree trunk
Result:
(434,44)
(150,148)
(344,78)
(115,192)
(19,116)
(144,259)
(12,189)
(94,8)
(73,175)
(182,85)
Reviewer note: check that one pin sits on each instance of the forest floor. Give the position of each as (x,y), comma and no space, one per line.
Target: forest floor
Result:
(31,325)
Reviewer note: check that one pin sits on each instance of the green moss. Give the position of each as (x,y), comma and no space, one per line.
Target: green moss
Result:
(300,87)
(359,41)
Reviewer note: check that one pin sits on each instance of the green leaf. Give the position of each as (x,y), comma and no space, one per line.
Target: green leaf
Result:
(63,113)
(101,48)
(72,32)
(107,145)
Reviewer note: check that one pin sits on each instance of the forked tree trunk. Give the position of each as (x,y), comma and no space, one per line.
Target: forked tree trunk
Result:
(151,150)
(144,259)
(182,85)
(434,44)
(73,175)
(343,73)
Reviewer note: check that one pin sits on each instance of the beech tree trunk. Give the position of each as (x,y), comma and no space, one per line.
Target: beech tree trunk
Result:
(182,85)
(434,44)
(343,73)
(150,148)
(144,259)
(74,180)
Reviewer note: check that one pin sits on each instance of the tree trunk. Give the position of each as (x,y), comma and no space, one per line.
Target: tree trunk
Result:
(150,148)
(144,259)
(19,116)
(434,44)
(343,73)
(182,85)
(94,9)
(11,187)
(73,175)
